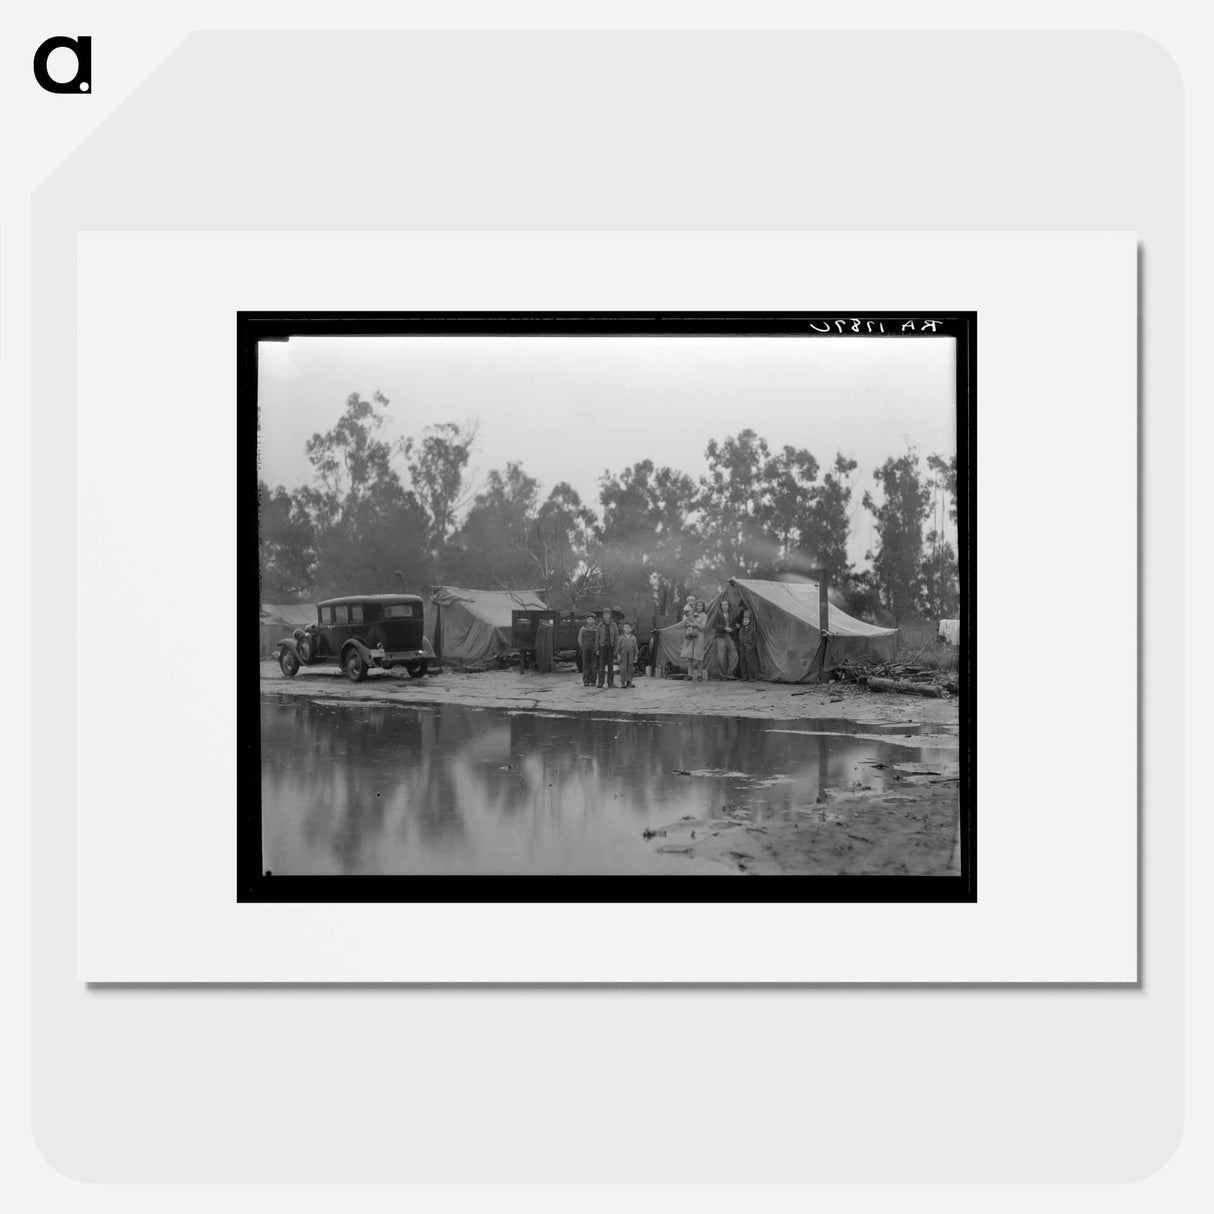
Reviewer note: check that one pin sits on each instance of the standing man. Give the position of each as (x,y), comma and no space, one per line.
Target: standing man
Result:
(727,652)
(587,643)
(607,638)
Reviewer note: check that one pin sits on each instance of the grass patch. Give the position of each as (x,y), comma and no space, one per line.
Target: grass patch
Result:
(918,642)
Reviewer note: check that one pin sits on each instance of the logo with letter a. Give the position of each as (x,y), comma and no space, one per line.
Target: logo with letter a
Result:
(82,81)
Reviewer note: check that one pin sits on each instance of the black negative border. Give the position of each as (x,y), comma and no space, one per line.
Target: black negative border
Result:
(254,886)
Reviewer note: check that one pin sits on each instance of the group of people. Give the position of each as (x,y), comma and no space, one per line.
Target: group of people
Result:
(735,639)
(604,644)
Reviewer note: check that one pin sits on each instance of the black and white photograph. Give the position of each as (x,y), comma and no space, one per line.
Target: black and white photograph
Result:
(568,606)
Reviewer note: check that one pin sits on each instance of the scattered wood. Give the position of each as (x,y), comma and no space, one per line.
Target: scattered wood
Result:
(906,688)
(877,674)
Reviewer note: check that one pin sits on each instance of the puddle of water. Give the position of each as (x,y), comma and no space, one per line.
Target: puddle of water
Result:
(366,787)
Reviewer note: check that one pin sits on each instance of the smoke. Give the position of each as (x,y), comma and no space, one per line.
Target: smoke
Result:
(799,567)
(687,561)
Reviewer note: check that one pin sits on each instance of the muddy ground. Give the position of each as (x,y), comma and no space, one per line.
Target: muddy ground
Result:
(905,823)
(907,832)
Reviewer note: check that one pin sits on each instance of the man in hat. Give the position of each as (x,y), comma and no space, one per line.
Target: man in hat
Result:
(605,642)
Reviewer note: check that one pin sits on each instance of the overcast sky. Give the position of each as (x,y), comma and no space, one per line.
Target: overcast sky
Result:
(569,408)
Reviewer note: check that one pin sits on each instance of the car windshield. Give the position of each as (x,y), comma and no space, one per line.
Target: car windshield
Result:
(398,611)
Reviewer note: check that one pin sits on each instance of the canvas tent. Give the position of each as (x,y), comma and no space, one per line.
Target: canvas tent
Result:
(472,627)
(279,620)
(789,642)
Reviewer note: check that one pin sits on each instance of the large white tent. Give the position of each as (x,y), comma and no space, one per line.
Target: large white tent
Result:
(789,642)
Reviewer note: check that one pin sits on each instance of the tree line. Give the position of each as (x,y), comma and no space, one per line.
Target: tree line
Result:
(656,535)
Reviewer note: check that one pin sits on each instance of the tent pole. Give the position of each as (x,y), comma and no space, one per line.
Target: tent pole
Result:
(823,618)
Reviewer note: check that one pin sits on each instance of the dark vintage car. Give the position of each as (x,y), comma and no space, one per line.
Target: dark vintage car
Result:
(358,632)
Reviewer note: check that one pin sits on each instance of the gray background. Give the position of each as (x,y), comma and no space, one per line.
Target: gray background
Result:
(678,131)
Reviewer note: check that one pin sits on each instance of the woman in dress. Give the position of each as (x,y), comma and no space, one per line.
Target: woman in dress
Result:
(688,635)
(697,626)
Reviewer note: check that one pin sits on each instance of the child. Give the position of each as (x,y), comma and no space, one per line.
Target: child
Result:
(628,656)
(587,640)
(748,648)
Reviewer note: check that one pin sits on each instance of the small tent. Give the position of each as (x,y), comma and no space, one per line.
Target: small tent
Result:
(279,620)
(472,627)
(788,640)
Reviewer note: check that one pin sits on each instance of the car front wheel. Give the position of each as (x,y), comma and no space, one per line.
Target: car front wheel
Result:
(417,669)
(353,665)
(288,663)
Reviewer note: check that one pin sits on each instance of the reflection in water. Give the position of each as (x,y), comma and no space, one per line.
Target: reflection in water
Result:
(370,788)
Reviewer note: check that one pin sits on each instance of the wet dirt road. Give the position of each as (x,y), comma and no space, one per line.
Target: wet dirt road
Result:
(562,691)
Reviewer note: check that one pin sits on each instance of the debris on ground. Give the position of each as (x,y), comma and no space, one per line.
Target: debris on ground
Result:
(905,677)
(905,687)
